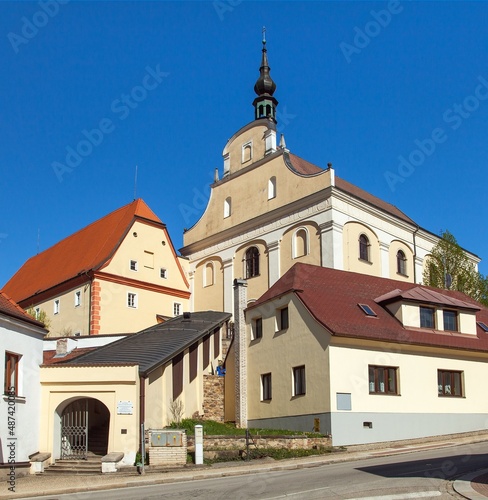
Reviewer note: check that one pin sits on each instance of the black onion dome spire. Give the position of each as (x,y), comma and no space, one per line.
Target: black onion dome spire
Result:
(265,104)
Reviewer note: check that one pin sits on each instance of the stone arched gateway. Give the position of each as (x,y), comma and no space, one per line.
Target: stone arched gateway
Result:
(81,427)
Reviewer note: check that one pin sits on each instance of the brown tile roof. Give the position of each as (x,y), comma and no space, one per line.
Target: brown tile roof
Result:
(303,167)
(332,297)
(85,250)
(10,308)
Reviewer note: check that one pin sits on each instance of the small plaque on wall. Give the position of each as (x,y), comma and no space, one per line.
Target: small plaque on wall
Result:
(125,408)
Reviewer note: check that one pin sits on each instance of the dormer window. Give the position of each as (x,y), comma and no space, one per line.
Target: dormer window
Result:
(427,317)
(450,320)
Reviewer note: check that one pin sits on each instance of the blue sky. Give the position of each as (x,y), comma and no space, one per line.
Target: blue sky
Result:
(394,94)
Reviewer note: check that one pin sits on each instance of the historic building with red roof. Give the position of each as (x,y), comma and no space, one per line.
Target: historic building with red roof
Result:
(363,358)
(116,275)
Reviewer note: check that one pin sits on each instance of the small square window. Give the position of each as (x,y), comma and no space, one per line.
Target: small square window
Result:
(176,309)
(133,265)
(163,273)
(131,300)
(299,381)
(450,383)
(77,298)
(266,387)
(383,379)
(56,307)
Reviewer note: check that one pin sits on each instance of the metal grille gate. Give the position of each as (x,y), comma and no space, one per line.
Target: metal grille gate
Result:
(74,430)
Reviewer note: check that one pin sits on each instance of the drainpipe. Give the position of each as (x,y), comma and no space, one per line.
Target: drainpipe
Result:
(142,417)
(415,255)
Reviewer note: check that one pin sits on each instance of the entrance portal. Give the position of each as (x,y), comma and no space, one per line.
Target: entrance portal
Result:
(84,429)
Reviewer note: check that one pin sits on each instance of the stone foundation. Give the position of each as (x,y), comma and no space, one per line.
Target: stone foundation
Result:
(213,398)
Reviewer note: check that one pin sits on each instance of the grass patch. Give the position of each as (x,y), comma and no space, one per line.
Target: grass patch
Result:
(212,428)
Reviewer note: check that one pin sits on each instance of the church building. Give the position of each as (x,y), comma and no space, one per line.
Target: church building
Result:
(271,209)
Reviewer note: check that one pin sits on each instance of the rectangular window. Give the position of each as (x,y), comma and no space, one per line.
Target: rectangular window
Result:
(216,352)
(193,361)
(11,373)
(177,375)
(450,383)
(148,259)
(383,380)
(427,317)
(133,265)
(131,299)
(298,380)
(163,273)
(37,312)
(56,306)
(176,309)
(78,298)
(257,328)
(450,320)
(206,351)
(284,318)
(266,387)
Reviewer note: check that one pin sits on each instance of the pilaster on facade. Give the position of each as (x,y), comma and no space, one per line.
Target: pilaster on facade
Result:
(385,259)
(419,269)
(274,262)
(228,267)
(240,342)
(331,245)
(95,308)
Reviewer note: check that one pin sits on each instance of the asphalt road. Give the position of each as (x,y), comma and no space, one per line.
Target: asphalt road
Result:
(425,474)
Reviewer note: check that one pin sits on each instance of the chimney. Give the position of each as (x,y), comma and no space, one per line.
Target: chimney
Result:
(61,347)
(240,343)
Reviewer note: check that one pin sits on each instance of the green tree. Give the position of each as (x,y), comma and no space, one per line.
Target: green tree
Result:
(449,267)
(40,316)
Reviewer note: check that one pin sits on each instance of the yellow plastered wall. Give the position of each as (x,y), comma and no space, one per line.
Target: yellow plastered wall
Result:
(62,384)
(209,294)
(351,233)
(303,343)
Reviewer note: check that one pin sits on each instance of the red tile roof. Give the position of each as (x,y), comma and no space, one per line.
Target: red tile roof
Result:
(49,359)
(332,297)
(10,308)
(85,250)
(303,167)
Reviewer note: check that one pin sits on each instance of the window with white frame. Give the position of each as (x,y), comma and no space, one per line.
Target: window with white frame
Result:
(131,299)
(266,387)
(227,207)
(37,312)
(176,309)
(163,273)
(300,243)
(133,265)
(272,188)
(11,375)
(56,306)
(78,298)
(299,381)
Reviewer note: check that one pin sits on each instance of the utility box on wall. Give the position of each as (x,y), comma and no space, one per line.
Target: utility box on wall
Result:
(167,447)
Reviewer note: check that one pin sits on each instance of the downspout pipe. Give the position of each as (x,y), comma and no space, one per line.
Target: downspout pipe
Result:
(142,417)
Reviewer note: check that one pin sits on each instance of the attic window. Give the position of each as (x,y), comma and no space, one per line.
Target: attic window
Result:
(367,310)
(483,326)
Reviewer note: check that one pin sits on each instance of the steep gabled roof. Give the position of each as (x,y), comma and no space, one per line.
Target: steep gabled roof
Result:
(154,346)
(9,308)
(332,297)
(83,251)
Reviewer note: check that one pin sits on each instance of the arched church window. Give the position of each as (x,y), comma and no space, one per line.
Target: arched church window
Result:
(300,243)
(364,245)
(401,263)
(246,152)
(252,262)
(208,277)
(227,207)
(272,188)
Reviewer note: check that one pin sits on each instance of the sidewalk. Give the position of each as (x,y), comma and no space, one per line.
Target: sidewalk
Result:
(472,486)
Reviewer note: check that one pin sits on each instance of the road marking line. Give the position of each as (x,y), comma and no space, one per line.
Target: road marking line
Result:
(299,494)
(402,496)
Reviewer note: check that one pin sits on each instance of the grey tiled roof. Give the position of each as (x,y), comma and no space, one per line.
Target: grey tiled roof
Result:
(156,345)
